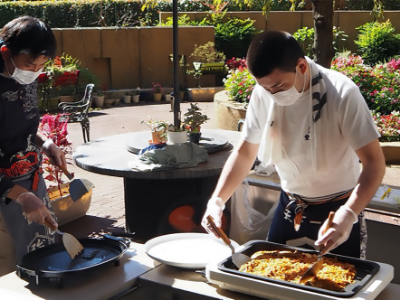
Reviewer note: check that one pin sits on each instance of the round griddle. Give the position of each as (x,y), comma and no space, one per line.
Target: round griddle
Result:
(53,261)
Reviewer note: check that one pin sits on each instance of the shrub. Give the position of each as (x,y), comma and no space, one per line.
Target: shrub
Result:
(235,63)
(388,126)
(305,37)
(239,84)
(232,37)
(377,42)
(378,84)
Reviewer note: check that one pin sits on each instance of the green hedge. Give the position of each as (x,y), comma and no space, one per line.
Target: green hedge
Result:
(93,13)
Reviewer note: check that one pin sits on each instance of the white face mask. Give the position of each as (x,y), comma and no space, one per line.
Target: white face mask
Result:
(23,76)
(290,96)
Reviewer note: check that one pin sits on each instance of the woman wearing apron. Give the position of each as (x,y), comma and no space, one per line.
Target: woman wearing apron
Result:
(26,44)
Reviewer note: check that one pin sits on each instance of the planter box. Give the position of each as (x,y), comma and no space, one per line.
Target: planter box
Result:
(391,150)
(227,113)
(67,78)
(203,94)
(210,68)
(64,208)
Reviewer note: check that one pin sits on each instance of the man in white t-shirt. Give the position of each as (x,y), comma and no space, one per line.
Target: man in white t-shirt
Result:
(314,126)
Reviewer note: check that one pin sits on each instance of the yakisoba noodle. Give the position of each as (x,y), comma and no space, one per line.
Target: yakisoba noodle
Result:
(291,265)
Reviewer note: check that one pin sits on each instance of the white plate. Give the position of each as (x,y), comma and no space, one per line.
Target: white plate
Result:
(188,250)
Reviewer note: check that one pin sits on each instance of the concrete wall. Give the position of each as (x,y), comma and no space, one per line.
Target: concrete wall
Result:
(126,58)
(291,21)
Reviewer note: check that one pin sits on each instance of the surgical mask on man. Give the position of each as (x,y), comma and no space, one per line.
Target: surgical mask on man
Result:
(290,96)
(23,76)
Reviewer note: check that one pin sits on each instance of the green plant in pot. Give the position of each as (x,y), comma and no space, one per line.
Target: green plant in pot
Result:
(177,134)
(193,121)
(158,130)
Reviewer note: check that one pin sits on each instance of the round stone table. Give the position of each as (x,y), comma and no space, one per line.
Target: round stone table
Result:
(148,195)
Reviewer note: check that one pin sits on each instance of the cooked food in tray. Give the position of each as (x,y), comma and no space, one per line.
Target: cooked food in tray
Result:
(291,265)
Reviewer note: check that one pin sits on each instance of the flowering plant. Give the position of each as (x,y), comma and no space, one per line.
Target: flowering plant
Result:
(157,88)
(236,63)
(155,125)
(377,84)
(61,64)
(239,84)
(388,126)
(55,127)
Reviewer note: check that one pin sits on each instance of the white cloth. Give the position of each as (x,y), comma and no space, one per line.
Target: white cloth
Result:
(313,159)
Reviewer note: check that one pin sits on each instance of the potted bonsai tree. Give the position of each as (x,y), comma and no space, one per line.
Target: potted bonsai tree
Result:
(193,121)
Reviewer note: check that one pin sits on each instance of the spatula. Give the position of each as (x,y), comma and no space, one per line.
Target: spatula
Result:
(314,269)
(238,258)
(71,244)
(77,187)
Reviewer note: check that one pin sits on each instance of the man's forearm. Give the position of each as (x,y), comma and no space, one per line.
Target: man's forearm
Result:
(368,183)
(371,176)
(235,170)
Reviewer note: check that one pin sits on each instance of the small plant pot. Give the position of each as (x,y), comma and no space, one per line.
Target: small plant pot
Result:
(98,101)
(135,98)
(195,137)
(156,137)
(167,97)
(177,137)
(108,102)
(127,99)
(157,97)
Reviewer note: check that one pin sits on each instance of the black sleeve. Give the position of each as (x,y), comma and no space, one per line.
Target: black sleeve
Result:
(6,185)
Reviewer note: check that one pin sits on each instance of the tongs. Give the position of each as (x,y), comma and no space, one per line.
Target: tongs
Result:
(314,269)
(238,259)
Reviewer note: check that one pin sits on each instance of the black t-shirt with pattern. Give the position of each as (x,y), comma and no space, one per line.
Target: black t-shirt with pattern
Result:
(19,121)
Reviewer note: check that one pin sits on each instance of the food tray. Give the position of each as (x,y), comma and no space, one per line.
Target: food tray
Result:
(365,269)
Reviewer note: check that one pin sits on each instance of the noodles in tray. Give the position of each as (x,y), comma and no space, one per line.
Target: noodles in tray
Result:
(291,265)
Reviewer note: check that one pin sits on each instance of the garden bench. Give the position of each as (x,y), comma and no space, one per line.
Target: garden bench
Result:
(77,112)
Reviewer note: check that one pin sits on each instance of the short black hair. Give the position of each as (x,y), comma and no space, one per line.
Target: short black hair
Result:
(29,35)
(272,50)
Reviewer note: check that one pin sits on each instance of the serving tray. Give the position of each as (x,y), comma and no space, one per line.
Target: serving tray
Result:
(365,269)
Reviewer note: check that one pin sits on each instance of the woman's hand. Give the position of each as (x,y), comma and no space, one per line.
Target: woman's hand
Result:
(55,154)
(34,209)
